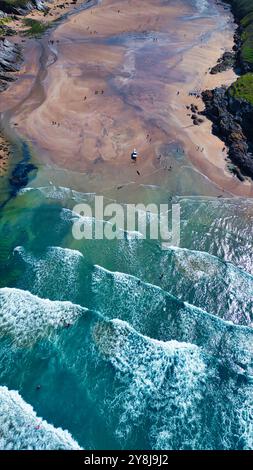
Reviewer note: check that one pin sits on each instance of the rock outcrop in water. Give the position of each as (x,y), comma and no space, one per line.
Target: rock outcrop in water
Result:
(20,176)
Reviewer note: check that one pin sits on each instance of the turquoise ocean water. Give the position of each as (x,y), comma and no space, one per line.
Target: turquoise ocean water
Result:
(121,343)
(125,357)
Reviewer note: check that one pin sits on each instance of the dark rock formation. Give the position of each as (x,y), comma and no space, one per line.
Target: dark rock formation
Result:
(233,123)
(233,117)
(20,176)
(224,63)
(6,31)
(22,7)
(10,56)
(10,61)
(243,14)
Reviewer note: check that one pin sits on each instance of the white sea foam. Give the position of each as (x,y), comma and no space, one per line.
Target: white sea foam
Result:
(86,221)
(22,429)
(26,317)
(225,229)
(155,313)
(164,381)
(25,190)
(220,287)
(60,193)
(126,297)
(54,272)
(167,392)
(202,5)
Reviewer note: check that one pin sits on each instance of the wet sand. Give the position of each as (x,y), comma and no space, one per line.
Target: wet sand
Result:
(4,156)
(30,67)
(118,76)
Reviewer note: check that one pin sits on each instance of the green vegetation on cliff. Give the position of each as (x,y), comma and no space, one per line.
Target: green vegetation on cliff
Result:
(242,7)
(243,88)
(243,10)
(4,21)
(35,27)
(17,3)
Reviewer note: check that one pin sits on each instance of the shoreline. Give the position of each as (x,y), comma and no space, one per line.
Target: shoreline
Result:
(214,170)
(4,155)
(232,115)
(16,35)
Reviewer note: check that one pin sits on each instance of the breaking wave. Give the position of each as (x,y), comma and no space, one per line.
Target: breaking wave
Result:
(26,317)
(210,283)
(173,393)
(184,382)
(22,429)
(164,380)
(155,313)
(54,272)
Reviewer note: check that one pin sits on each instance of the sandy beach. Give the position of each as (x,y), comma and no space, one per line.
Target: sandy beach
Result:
(4,155)
(121,75)
(126,307)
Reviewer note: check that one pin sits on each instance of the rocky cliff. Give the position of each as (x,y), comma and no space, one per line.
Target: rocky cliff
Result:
(10,61)
(233,123)
(20,7)
(231,110)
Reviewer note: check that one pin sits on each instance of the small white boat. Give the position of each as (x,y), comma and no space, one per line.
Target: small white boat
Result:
(134,154)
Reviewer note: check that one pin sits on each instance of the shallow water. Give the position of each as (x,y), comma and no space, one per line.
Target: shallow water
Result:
(122,343)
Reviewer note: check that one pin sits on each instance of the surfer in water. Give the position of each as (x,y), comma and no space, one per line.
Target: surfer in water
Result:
(134,155)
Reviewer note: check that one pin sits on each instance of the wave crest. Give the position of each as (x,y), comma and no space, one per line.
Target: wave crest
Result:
(22,429)
(26,317)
